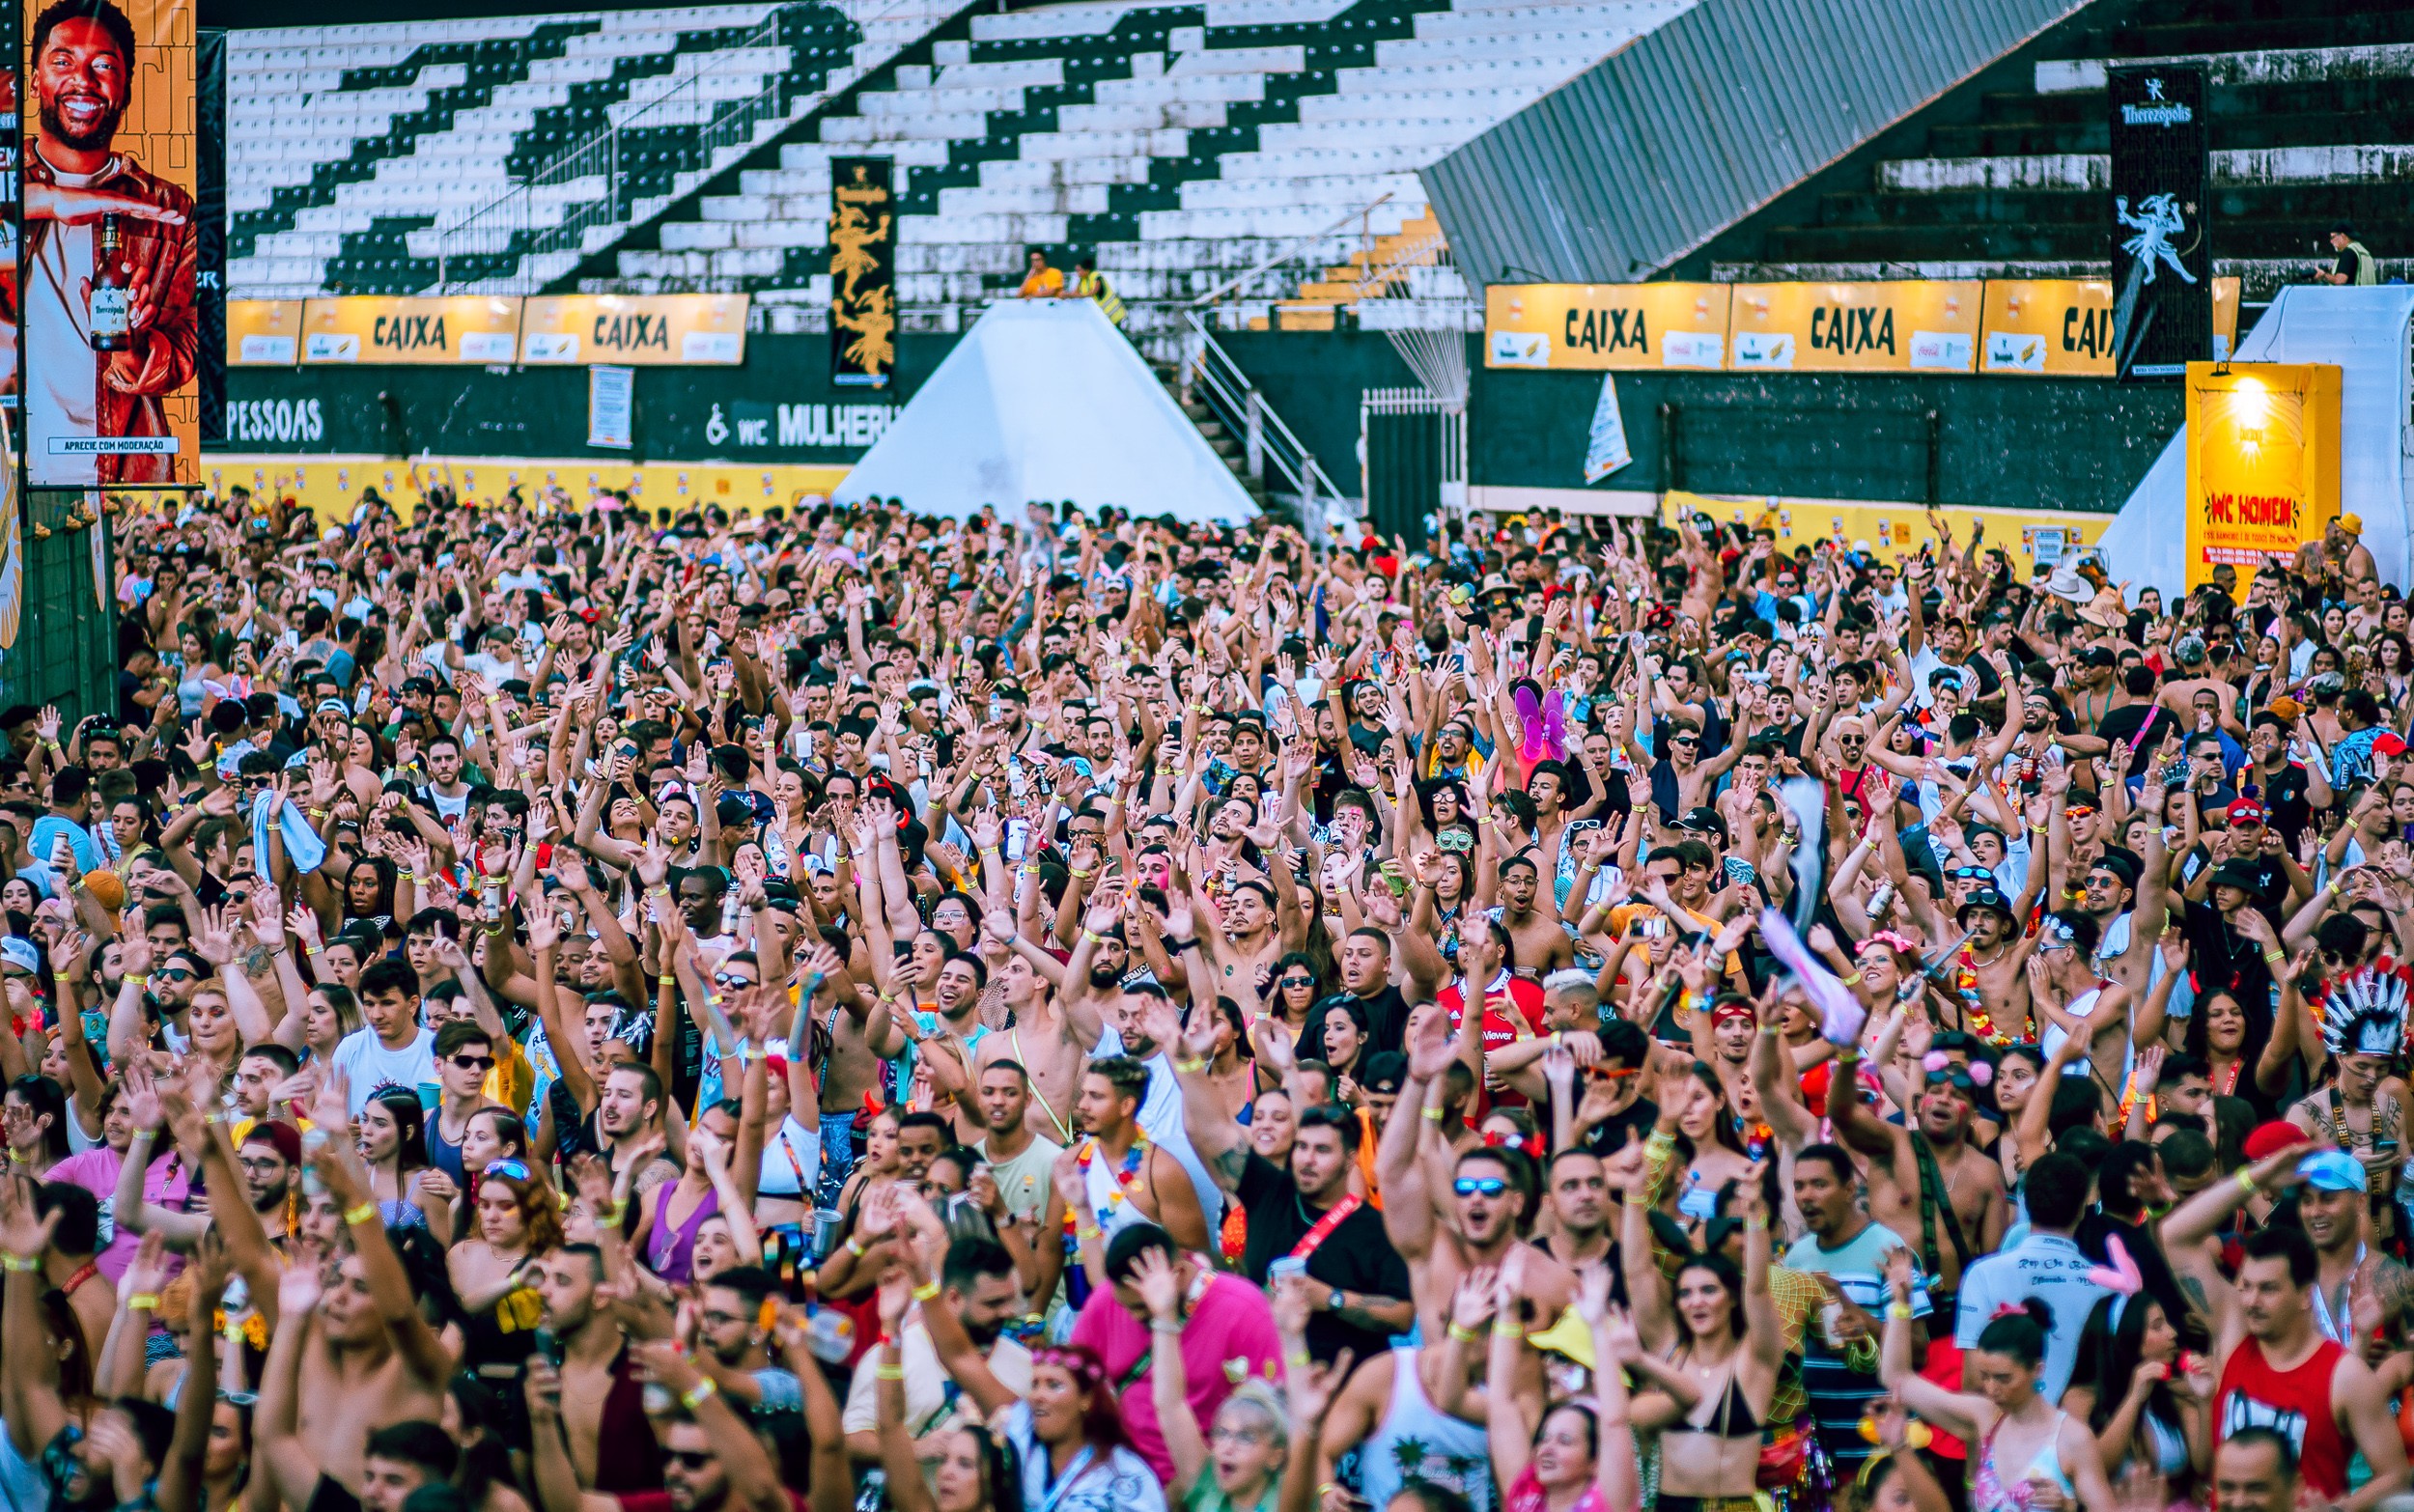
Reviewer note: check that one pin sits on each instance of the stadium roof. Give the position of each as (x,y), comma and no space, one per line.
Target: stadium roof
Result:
(1649,153)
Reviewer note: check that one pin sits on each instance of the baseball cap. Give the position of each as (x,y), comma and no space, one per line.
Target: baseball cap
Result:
(1984,898)
(18,954)
(2246,811)
(1385,1072)
(2334,1170)
(2269,1140)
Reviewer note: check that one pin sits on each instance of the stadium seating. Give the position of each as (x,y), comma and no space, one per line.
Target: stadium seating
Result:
(1183,143)
(352,145)
(2310,124)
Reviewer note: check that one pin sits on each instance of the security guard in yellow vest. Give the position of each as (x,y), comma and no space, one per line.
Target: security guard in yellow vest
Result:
(2355,264)
(1090,284)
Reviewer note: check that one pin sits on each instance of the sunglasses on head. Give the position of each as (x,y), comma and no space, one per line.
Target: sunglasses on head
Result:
(512,1169)
(1480,1186)
(1973,874)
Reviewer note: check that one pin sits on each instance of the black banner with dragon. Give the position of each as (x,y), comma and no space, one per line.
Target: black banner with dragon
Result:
(863,271)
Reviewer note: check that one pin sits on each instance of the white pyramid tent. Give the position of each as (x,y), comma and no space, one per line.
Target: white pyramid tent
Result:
(1044,401)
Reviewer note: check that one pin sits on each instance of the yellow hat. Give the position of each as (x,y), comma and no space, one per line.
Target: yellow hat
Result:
(1571,1337)
(2352,525)
(107,890)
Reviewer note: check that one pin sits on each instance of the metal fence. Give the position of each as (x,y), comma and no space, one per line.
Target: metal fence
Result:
(1211,377)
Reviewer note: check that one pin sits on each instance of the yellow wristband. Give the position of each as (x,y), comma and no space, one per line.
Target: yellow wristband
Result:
(1464,1336)
(888,1372)
(696,1395)
(366,1213)
(1432,1113)
(1901,1310)
(143,1302)
(2246,1181)
(135,978)
(928,1291)
(21,1265)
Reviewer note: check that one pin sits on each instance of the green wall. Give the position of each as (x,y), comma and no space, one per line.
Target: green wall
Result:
(66,651)
(542,412)
(1312,381)
(2025,443)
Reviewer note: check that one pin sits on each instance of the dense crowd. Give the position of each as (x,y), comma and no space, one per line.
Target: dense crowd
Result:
(555,1008)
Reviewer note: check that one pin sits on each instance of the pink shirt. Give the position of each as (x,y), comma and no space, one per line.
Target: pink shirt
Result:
(1230,1336)
(97,1170)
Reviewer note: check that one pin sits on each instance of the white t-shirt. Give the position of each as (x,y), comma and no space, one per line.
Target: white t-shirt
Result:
(927,1403)
(369,1066)
(2044,1266)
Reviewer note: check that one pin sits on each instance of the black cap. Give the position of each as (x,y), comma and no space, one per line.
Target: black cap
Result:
(2241,875)
(1701,821)
(1385,1072)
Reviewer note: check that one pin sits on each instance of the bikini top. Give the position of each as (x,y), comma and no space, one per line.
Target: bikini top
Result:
(1733,1417)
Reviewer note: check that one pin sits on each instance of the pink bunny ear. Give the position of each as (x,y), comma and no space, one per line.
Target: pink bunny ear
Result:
(2121,1275)
(1530,722)
(1554,725)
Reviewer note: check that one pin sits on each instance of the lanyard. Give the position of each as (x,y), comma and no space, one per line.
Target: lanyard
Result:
(1323,1226)
(2341,1327)
(1014,1035)
(1072,1473)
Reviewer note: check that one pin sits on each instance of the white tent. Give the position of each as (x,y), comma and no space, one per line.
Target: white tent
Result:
(2365,332)
(1044,401)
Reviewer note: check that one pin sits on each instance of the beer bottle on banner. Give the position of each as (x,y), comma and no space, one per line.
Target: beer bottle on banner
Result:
(111,323)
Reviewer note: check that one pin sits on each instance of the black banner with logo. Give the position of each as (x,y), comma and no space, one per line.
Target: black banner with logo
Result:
(2162,255)
(863,271)
(209,213)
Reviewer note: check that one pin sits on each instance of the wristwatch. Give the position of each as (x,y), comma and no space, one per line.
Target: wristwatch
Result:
(1341,1300)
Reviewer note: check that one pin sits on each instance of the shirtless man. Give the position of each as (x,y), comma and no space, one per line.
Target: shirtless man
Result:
(366,1359)
(1249,930)
(1118,1176)
(1058,1014)
(1928,1184)
(1443,1236)
(2073,999)
(1541,941)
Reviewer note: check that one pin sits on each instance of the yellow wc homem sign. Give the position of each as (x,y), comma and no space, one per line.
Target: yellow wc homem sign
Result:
(2262,454)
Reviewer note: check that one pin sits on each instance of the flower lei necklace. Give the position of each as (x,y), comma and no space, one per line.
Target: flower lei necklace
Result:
(1125,1179)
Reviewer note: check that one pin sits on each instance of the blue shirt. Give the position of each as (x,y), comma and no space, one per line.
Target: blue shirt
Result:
(47,833)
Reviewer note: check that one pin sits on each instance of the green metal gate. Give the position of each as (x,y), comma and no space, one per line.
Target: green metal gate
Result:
(1411,448)
(66,647)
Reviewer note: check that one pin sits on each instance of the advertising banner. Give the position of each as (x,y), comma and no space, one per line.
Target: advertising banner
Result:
(262,333)
(2058,328)
(2162,257)
(107,266)
(477,328)
(611,407)
(1877,327)
(2262,463)
(210,205)
(11,164)
(634,330)
(1606,327)
(863,271)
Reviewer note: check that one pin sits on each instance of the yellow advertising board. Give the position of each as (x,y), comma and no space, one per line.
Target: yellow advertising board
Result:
(2262,463)
(379,332)
(1597,326)
(262,333)
(634,330)
(2034,537)
(1927,327)
(2056,327)
(330,486)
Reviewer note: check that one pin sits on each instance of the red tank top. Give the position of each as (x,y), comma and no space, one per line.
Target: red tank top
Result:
(2295,1403)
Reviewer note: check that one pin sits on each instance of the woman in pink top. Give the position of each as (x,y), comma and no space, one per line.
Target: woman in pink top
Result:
(1579,1458)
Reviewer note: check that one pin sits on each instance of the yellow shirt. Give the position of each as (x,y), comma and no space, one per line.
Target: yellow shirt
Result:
(1046,284)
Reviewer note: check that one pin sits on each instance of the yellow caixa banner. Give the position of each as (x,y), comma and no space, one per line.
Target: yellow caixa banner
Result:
(634,330)
(1598,326)
(2262,456)
(1883,327)
(385,331)
(2060,328)
(262,333)
(2035,538)
(331,486)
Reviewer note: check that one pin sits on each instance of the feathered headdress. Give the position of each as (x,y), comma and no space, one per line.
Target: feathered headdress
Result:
(2364,1013)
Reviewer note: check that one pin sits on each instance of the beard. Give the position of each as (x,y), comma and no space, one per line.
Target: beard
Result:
(1103,978)
(55,127)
